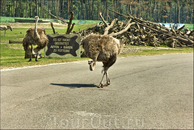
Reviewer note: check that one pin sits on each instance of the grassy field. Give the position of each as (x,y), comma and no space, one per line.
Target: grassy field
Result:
(12,55)
(189,26)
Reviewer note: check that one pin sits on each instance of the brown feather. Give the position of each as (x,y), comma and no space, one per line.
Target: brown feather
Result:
(29,40)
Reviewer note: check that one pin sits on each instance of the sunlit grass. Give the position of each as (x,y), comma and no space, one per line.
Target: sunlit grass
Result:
(12,55)
(142,50)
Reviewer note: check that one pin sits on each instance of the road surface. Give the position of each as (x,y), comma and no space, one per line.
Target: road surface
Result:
(146,92)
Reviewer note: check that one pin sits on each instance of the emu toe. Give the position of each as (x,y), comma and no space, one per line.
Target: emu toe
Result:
(100,85)
(108,82)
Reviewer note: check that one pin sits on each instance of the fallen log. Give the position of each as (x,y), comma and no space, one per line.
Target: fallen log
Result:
(141,22)
(11,42)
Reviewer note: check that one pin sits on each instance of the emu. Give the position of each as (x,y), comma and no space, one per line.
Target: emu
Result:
(5,28)
(35,36)
(104,48)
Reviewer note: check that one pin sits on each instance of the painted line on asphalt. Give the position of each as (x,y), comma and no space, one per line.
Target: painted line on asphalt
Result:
(34,66)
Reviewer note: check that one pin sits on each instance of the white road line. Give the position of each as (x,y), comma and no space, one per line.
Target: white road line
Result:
(27,67)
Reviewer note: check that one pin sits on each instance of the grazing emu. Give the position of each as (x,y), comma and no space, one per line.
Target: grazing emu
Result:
(104,48)
(35,36)
(5,28)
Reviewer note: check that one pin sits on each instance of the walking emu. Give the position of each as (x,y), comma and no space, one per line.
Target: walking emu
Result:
(104,48)
(5,28)
(35,36)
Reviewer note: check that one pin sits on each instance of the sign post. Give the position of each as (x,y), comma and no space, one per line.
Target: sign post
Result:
(63,46)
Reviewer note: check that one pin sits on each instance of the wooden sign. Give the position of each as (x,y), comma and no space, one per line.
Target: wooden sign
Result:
(63,46)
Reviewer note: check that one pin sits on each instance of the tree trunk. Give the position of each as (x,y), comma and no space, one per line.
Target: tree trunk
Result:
(36,7)
(82,11)
(178,11)
(63,8)
(92,10)
(88,9)
(67,9)
(27,3)
(127,9)
(55,6)
(71,5)
(5,9)
(150,11)
(187,16)
(16,8)
(50,8)
(155,16)
(2,7)
(158,12)
(13,9)
(119,9)
(106,10)
(98,17)
(42,8)
(30,4)
(9,9)
(192,16)
(170,18)
(47,16)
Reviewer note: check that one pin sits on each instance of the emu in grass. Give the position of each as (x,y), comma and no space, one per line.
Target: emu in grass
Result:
(5,28)
(35,36)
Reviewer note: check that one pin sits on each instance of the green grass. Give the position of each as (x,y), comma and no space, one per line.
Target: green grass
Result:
(189,26)
(19,33)
(147,51)
(12,55)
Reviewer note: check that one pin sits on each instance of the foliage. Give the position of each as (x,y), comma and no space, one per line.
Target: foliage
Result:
(178,11)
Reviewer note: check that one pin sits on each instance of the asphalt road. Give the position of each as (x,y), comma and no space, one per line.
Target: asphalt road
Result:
(145,92)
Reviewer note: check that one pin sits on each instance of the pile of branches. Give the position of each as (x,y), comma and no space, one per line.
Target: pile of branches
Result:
(144,32)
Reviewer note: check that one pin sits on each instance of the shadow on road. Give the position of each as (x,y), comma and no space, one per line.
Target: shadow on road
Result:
(75,85)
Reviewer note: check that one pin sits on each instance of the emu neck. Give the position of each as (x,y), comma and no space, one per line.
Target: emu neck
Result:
(36,35)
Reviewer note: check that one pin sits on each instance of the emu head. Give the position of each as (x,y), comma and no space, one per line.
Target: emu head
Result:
(9,27)
(36,17)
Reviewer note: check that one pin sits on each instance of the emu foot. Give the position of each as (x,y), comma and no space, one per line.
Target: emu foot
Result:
(29,60)
(90,63)
(107,83)
(100,85)
(36,60)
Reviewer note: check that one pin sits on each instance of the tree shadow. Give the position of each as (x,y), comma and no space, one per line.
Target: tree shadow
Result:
(75,85)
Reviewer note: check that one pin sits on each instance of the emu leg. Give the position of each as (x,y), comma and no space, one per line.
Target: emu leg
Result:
(101,85)
(36,57)
(92,62)
(107,79)
(5,33)
(31,54)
